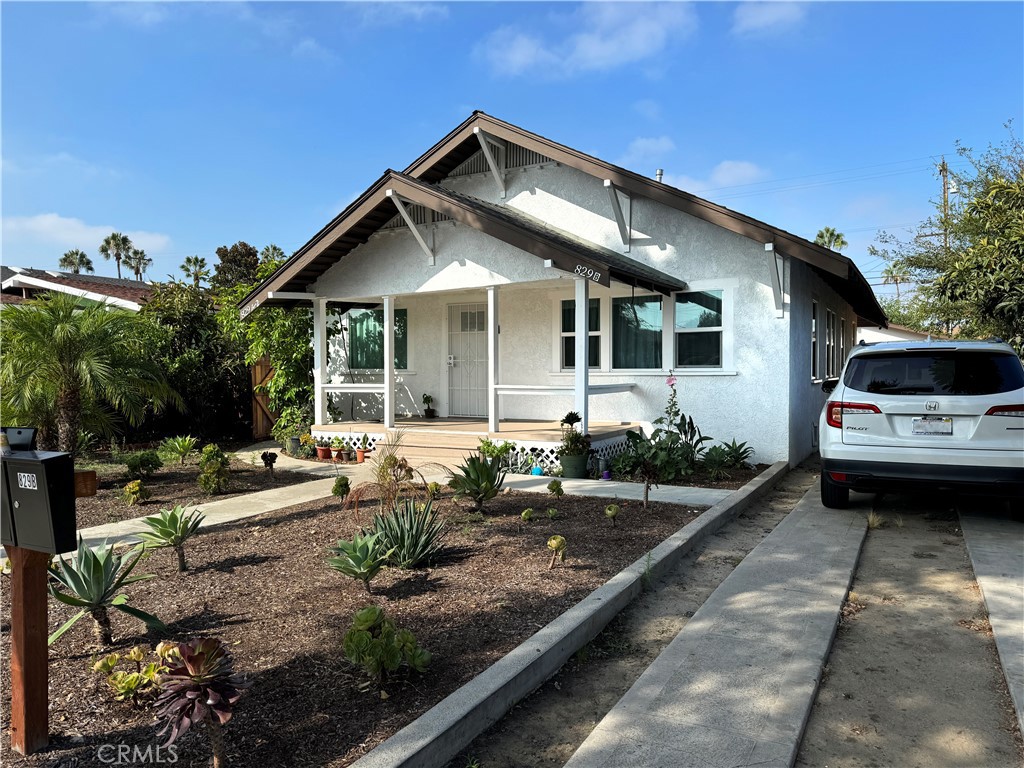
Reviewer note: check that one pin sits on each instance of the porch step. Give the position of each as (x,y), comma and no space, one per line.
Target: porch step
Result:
(421,439)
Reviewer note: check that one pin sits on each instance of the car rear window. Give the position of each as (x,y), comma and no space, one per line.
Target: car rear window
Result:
(939,372)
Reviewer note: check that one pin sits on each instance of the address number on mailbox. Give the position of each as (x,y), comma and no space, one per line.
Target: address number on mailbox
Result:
(28,480)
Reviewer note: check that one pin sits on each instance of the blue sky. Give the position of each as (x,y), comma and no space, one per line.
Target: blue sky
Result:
(193,125)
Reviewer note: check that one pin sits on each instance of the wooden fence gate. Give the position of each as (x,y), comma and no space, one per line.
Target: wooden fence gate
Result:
(262,417)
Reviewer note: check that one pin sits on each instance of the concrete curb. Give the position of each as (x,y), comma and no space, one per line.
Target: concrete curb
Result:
(437,736)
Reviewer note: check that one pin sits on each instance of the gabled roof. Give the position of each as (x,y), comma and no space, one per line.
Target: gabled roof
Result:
(129,294)
(462,143)
(373,209)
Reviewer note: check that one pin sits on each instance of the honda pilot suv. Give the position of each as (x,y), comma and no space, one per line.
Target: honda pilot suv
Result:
(911,416)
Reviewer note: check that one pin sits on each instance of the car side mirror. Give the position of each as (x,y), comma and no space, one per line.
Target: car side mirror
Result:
(828,385)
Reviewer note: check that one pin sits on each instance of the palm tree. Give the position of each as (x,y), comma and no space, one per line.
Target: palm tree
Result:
(196,269)
(138,262)
(77,355)
(116,246)
(828,237)
(895,274)
(76,261)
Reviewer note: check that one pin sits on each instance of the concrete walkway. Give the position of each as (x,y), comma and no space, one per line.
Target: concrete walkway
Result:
(736,686)
(996,547)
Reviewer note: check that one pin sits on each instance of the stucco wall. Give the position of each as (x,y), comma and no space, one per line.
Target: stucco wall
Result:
(749,400)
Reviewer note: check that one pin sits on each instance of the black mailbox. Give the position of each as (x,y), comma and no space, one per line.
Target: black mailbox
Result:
(20,438)
(38,510)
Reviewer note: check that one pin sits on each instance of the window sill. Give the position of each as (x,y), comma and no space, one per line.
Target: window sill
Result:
(375,371)
(649,373)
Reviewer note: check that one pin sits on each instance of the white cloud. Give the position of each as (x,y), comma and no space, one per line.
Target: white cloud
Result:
(762,17)
(609,35)
(58,162)
(646,150)
(648,108)
(138,14)
(377,14)
(728,173)
(32,234)
(308,48)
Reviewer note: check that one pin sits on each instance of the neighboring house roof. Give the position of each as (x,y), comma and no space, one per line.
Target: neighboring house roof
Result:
(129,294)
(463,142)
(12,298)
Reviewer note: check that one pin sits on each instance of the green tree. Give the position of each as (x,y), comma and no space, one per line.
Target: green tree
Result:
(138,262)
(116,246)
(831,239)
(238,265)
(894,274)
(196,269)
(65,356)
(76,261)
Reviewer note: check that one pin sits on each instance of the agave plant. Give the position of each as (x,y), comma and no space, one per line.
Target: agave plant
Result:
(199,687)
(480,479)
(91,579)
(172,528)
(362,558)
(180,447)
(411,532)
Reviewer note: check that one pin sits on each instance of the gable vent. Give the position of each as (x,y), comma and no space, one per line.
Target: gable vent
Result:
(420,215)
(517,157)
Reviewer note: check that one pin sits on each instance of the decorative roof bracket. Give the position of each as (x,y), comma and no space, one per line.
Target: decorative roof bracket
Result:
(498,171)
(617,206)
(397,200)
(775,268)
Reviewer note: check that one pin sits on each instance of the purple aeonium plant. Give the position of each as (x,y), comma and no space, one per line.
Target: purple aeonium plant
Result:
(199,687)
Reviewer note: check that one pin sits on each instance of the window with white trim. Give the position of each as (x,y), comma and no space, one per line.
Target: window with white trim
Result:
(814,340)
(842,341)
(699,329)
(568,340)
(831,345)
(636,332)
(366,339)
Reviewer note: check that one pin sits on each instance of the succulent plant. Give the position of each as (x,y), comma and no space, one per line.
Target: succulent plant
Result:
(341,486)
(612,512)
(269,459)
(135,491)
(179,447)
(552,513)
(172,528)
(480,479)
(527,515)
(433,490)
(557,546)
(374,644)
(362,558)
(555,488)
(106,665)
(411,532)
(199,687)
(91,579)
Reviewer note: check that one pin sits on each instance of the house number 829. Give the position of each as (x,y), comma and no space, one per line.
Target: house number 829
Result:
(588,273)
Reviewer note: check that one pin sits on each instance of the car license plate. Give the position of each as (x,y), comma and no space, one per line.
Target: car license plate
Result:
(933,425)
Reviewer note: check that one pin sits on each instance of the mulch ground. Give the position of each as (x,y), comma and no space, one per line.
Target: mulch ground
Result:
(170,485)
(262,586)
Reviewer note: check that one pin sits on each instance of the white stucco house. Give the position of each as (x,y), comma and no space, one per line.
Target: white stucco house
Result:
(472,274)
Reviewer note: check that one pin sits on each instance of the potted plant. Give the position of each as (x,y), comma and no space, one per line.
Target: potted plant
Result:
(307,446)
(574,453)
(323,448)
(428,412)
(570,420)
(338,446)
(347,454)
(364,446)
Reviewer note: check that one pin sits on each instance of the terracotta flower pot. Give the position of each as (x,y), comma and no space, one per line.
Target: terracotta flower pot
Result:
(360,455)
(323,452)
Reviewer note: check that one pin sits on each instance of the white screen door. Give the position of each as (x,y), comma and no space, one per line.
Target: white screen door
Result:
(467,346)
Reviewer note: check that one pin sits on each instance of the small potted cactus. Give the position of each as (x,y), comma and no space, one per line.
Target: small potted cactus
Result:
(323,448)
(361,450)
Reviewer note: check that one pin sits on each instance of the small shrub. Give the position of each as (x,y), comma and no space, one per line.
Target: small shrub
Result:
(375,645)
(479,479)
(738,455)
(214,469)
(180,447)
(199,686)
(341,486)
(411,533)
(555,488)
(269,459)
(142,464)
(557,546)
(172,528)
(714,462)
(361,559)
(135,492)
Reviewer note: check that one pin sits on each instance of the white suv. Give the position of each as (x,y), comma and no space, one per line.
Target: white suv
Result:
(924,415)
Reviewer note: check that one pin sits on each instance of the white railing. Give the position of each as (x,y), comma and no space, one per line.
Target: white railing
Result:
(560,389)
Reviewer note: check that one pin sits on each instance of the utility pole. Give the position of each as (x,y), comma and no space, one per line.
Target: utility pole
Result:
(944,173)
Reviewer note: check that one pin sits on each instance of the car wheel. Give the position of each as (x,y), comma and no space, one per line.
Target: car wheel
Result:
(833,496)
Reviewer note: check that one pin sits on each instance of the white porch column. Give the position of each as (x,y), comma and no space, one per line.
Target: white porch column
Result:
(583,352)
(492,359)
(389,362)
(320,360)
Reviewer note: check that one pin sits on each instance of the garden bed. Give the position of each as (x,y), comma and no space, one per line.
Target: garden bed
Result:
(170,485)
(263,587)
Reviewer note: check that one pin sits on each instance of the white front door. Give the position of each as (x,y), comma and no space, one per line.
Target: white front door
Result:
(467,355)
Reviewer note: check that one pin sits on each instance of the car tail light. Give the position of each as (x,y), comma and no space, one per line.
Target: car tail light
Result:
(834,411)
(839,477)
(1005,410)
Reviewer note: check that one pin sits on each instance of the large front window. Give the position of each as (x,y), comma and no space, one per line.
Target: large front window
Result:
(698,326)
(366,339)
(636,332)
(569,333)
